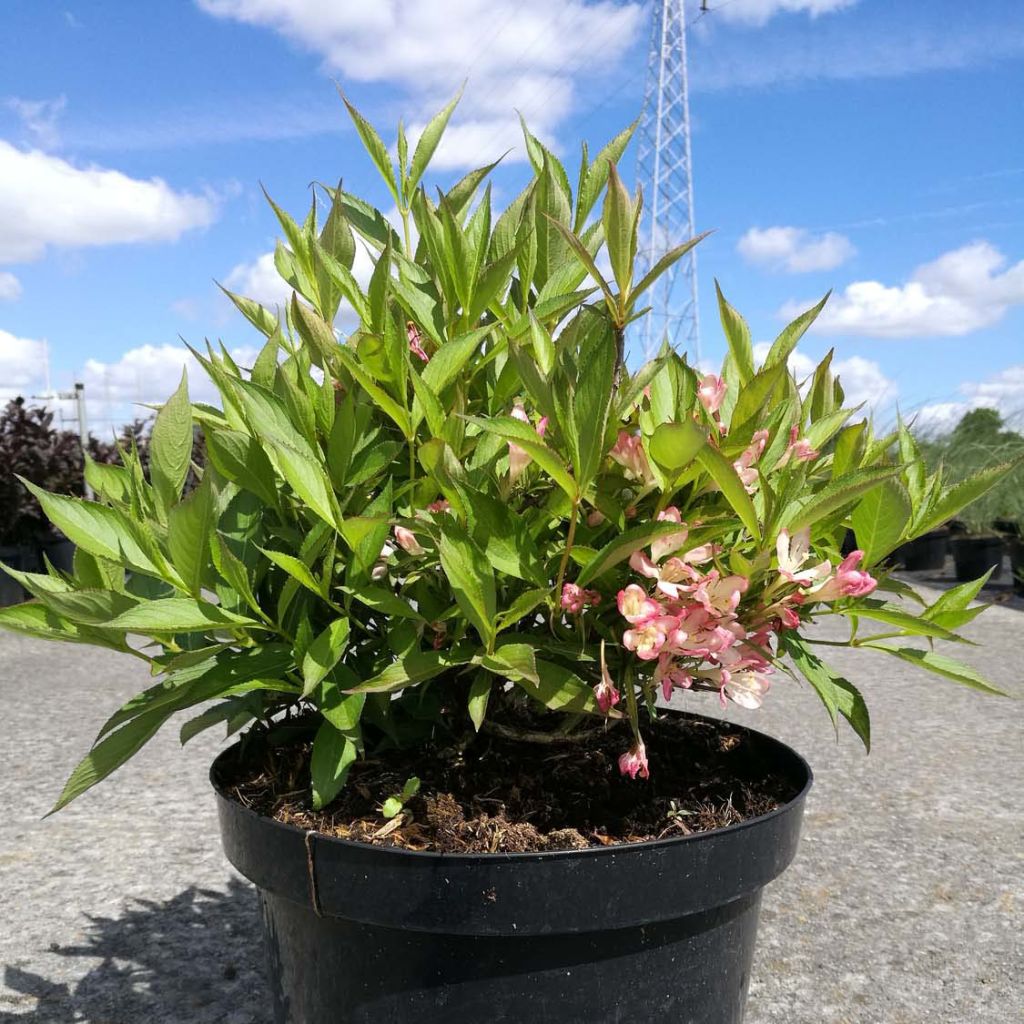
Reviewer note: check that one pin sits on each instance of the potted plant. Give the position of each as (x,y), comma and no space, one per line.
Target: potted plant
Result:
(441,576)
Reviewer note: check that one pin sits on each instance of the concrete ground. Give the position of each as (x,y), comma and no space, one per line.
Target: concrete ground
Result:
(905,904)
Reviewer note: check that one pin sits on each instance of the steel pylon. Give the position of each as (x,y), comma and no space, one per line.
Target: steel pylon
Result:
(664,172)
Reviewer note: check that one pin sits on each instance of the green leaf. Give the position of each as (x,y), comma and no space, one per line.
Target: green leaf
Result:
(170,445)
(323,654)
(526,437)
(470,576)
(479,697)
(619,223)
(295,568)
(413,668)
(178,615)
(942,666)
(190,526)
(912,625)
(98,529)
(240,458)
(673,446)
(262,319)
(333,755)
(109,754)
(664,263)
(428,141)
(235,572)
(837,694)
(514,661)
(521,606)
(880,518)
(962,494)
(724,474)
(597,174)
(787,340)
(560,689)
(583,255)
(956,599)
(306,477)
(834,496)
(737,333)
(375,147)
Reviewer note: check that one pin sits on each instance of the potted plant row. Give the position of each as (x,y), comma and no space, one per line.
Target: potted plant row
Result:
(440,579)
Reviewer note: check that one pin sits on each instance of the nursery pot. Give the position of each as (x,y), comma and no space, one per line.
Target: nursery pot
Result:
(60,552)
(1017,564)
(974,556)
(17,556)
(654,931)
(927,552)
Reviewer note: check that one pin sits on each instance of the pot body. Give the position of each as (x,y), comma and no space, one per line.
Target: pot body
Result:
(925,553)
(974,556)
(656,931)
(23,558)
(1017,564)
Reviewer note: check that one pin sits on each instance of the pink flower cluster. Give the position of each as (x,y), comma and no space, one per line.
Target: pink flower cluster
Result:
(575,598)
(518,458)
(688,623)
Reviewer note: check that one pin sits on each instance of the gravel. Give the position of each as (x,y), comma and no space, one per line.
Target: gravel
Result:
(905,904)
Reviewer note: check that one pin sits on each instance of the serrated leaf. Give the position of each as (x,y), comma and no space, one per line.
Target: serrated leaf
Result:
(880,518)
(428,142)
(170,445)
(333,755)
(722,471)
(479,697)
(415,667)
(375,147)
(942,666)
(190,526)
(737,334)
(323,654)
(470,576)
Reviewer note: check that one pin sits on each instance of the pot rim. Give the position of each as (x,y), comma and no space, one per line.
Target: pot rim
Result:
(613,849)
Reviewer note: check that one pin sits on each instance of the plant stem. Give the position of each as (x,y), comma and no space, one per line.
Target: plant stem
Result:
(573,516)
(551,739)
(405,231)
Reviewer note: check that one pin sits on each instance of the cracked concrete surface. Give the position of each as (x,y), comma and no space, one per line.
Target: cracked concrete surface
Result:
(905,904)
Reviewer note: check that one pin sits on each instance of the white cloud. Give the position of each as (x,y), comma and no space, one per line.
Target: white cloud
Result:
(863,380)
(10,287)
(841,51)
(40,118)
(962,291)
(21,363)
(794,250)
(757,12)
(516,54)
(47,201)
(1003,391)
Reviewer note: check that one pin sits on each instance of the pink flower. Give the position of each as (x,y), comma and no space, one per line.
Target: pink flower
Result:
(635,606)
(605,693)
(518,459)
(847,582)
(407,541)
(671,675)
(575,598)
(662,546)
(720,594)
(744,464)
(629,453)
(747,688)
(792,552)
(596,518)
(669,575)
(647,639)
(800,450)
(441,505)
(412,332)
(634,761)
(711,391)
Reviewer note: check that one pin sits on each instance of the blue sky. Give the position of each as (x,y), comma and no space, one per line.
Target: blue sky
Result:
(871,146)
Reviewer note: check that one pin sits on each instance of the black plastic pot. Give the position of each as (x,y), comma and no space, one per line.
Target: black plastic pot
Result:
(651,932)
(1017,564)
(974,556)
(924,553)
(61,554)
(17,556)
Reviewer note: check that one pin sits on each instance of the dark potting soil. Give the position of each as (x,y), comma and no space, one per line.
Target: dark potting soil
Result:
(500,796)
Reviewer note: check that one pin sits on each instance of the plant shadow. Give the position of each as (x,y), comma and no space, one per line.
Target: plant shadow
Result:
(194,959)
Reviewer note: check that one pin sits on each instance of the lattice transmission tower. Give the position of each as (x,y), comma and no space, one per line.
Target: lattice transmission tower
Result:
(664,170)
